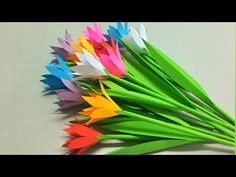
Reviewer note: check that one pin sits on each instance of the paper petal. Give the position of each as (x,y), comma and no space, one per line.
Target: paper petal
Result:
(64,67)
(105,60)
(142,32)
(61,52)
(82,130)
(71,86)
(80,142)
(136,37)
(65,45)
(115,60)
(53,81)
(94,62)
(56,71)
(68,38)
(68,95)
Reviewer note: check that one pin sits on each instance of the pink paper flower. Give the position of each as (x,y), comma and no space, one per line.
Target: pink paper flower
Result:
(111,59)
(94,35)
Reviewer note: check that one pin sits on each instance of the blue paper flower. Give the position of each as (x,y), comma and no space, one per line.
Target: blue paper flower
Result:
(61,70)
(53,82)
(118,32)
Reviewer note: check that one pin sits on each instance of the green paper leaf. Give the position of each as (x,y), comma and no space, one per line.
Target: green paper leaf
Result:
(150,147)
(177,73)
(160,84)
(113,120)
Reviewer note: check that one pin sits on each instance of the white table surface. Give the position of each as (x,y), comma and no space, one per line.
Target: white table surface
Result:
(28,122)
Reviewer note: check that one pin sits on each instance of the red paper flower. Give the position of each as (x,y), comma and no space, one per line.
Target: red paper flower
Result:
(84,138)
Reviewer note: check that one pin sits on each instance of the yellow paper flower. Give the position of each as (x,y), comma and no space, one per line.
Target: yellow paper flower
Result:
(84,42)
(101,107)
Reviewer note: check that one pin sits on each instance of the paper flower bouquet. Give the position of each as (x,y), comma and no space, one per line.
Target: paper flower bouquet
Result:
(126,89)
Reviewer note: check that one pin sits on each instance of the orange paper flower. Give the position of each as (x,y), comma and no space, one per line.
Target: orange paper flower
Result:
(101,107)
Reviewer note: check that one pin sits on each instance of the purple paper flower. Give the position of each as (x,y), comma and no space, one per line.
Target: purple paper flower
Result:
(71,96)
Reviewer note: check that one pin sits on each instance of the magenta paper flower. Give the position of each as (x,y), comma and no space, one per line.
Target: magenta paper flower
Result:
(111,59)
(94,35)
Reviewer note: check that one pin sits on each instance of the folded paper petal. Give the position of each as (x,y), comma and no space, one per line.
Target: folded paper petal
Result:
(81,130)
(60,72)
(83,138)
(137,38)
(53,82)
(142,32)
(65,45)
(61,52)
(68,95)
(72,87)
(101,107)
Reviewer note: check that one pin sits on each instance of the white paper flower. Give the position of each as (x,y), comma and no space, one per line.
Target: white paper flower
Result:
(138,36)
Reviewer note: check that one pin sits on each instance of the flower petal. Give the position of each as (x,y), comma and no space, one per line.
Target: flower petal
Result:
(109,65)
(71,86)
(86,44)
(142,32)
(102,113)
(94,62)
(136,37)
(98,101)
(65,45)
(82,130)
(87,111)
(69,96)
(68,37)
(80,142)
(115,60)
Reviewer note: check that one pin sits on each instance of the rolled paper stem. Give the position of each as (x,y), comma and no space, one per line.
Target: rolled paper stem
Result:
(212,121)
(226,115)
(206,131)
(124,137)
(213,115)
(214,109)
(177,127)
(148,100)
(197,122)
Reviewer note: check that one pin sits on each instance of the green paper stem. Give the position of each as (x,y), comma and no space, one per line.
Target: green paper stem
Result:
(223,113)
(230,126)
(177,127)
(144,128)
(148,100)
(124,137)
(214,122)
(210,120)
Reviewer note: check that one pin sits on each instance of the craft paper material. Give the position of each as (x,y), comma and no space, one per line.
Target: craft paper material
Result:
(124,88)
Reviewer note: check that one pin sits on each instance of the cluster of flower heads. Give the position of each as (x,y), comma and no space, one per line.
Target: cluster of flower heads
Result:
(89,57)
(77,73)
